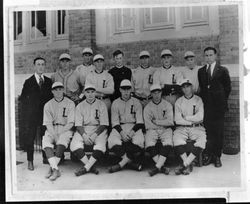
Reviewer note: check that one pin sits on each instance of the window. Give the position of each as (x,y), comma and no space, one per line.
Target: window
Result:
(156,18)
(60,22)
(38,25)
(124,20)
(195,15)
(18,25)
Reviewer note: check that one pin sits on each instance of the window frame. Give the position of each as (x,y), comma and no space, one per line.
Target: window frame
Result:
(66,30)
(117,30)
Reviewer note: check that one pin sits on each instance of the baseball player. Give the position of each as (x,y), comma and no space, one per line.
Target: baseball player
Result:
(86,67)
(59,116)
(169,77)
(119,73)
(191,70)
(65,75)
(91,123)
(126,139)
(142,78)
(102,80)
(189,114)
(158,118)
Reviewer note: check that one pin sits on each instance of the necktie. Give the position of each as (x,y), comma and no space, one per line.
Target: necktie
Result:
(209,73)
(40,81)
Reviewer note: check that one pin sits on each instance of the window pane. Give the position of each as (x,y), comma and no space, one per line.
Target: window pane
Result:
(127,18)
(197,12)
(63,21)
(59,22)
(19,29)
(17,25)
(147,16)
(38,22)
(159,15)
(119,18)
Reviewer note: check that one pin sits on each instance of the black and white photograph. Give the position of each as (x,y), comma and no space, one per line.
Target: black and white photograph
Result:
(125,100)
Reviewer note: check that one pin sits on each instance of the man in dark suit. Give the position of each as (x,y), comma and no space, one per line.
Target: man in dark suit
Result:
(215,87)
(35,93)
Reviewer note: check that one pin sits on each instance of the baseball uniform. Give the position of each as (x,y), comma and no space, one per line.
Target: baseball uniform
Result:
(192,74)
(72,86)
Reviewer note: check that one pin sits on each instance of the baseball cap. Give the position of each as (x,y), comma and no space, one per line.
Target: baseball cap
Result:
(97,57)
(89,86)
(189,54)
(155,87)
(186,81)
(166,52)
(64,56)
(57,84)
(87,50)
(144,53)
(125,84)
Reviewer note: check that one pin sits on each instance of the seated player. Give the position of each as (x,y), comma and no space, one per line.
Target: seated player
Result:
(158,118)
(59,116)
(91,123)
(189,114)
(126,139)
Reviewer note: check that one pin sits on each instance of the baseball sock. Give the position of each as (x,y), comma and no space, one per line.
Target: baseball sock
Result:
(184,158)
(124,160)
(156,158)
(57,159)
(52,163)
(84,159)
(90,163)
(160,161)
(190,158)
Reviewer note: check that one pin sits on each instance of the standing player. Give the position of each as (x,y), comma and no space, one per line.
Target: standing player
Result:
(158,117)
(59,116)
(126,139)
(35,93)
(91,129)
(142,78)
(189,114)
(102,80)
(191,70)
(86,67)
(119,73)
(169,77)
(65,75)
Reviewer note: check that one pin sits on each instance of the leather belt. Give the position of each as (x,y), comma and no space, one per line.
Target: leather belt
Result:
(193,125)
(58,124)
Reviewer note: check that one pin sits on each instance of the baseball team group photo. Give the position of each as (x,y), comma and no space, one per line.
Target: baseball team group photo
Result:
(127,98)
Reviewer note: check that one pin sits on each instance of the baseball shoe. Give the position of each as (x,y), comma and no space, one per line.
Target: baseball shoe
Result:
(135,166)
(81,171)
(178,170)
(30,165)
(186,170)
(49,173)
(154,171)
(115,168)
(165,170)
(55,174)
(207,159)
(94,170)
(217,162)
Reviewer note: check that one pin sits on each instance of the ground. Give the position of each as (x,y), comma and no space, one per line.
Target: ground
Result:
(229,175)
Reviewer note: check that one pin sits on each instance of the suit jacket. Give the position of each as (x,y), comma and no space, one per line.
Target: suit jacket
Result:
(33,99)
(215,94)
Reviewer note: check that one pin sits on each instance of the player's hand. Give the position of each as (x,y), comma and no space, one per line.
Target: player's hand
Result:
(75,97)
(93,137)
(87,139)
(155,121)
(124,135)
(131,134)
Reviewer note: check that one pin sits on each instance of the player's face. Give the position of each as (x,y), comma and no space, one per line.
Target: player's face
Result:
(39,66)
(64,63)
(210,56)
(119,60)
(190,62)
(125,93)
(187,90)
(156,96)
(87,57)
(166,60)
(90,95)
(144,60)
(58,93)
(99,65)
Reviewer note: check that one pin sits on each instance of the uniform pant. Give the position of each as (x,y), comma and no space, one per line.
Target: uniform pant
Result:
(62,139)
(164,135)
(197,134)
(99,143)
(116,139)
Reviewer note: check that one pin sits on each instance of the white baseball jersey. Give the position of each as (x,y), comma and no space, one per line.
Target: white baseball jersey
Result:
(94,114)
(189,111)
(123,112)
(82,71)
(103,81)
(70,82)
(142,79)
(161,111)
(59,112)
(170,76)
(192,74)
